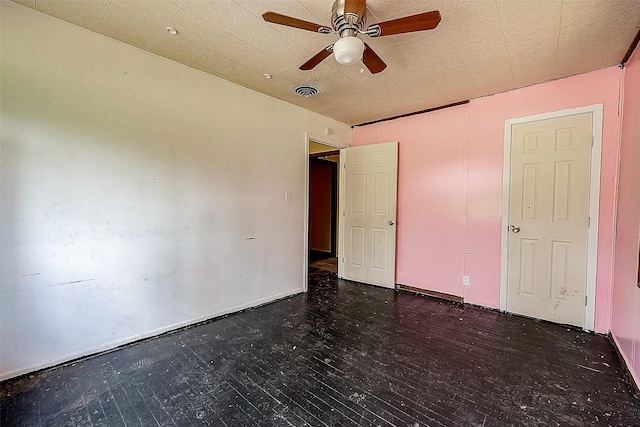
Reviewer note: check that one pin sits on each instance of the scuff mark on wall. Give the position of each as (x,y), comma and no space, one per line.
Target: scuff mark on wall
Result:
(74,281)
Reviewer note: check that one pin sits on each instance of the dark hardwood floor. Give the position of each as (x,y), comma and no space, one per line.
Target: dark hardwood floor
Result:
(323,261)
(342,354)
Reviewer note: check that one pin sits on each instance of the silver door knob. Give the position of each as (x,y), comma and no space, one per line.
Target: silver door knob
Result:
(515,229)
(390,222)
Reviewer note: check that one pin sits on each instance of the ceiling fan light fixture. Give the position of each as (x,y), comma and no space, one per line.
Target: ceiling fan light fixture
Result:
(348,20)
(348,50)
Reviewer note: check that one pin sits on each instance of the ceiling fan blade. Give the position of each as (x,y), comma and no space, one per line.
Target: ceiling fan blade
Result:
(408,24)
(354,7)
(318,58)
(372,61)
(277,18)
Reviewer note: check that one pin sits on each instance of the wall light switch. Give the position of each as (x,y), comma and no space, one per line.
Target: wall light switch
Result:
(465,280)
(288,196)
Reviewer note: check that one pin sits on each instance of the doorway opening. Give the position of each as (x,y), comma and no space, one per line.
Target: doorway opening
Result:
(323,187)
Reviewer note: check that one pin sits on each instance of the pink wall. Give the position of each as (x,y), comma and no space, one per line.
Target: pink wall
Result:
(625,318)
(450,186)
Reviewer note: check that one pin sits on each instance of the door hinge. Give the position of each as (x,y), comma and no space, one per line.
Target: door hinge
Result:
(588,221)
(585,300)
(344,165)
(592,139)
(342,213)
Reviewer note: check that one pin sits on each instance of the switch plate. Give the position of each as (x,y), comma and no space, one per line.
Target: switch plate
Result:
(465,280)
(288,196)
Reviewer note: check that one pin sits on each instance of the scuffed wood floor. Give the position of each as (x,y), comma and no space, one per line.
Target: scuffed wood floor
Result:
(343,354)
(322,261)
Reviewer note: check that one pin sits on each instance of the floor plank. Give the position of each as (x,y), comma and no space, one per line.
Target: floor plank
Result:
(344,354)
(323,261)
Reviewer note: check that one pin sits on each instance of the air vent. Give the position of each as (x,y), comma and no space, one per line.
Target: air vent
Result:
(307,91)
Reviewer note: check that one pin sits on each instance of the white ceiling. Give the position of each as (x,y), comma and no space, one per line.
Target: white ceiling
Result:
(481,47)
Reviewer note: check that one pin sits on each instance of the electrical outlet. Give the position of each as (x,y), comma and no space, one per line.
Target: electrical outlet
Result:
(465,280)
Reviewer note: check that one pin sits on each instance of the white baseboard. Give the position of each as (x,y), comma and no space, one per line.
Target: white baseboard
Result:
(626,363)
(118,343)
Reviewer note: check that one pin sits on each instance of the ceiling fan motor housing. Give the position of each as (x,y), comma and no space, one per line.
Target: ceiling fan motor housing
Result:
(345,25)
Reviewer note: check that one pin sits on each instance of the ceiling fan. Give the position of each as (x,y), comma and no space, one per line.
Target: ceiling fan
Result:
(348,19)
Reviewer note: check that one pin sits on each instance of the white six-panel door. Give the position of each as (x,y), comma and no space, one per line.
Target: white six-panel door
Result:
(369,214)
(549,219)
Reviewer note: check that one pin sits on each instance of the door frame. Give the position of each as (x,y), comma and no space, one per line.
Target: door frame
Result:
(311,137)
(596,112)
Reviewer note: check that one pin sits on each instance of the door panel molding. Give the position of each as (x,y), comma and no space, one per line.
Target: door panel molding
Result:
(596,112)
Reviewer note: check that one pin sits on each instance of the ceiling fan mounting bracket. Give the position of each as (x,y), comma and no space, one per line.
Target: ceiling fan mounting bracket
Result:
(372,31)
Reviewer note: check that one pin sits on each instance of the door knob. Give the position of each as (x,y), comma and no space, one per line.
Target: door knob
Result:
(390,222)
(515,229)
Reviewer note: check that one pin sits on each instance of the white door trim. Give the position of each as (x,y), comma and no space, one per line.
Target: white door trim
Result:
(311,137)
(596,112)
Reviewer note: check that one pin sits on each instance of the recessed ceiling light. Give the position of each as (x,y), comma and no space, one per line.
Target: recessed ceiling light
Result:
(172,31)
(267,76)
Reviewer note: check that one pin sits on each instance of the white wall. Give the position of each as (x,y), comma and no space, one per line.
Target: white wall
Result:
(137,194)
